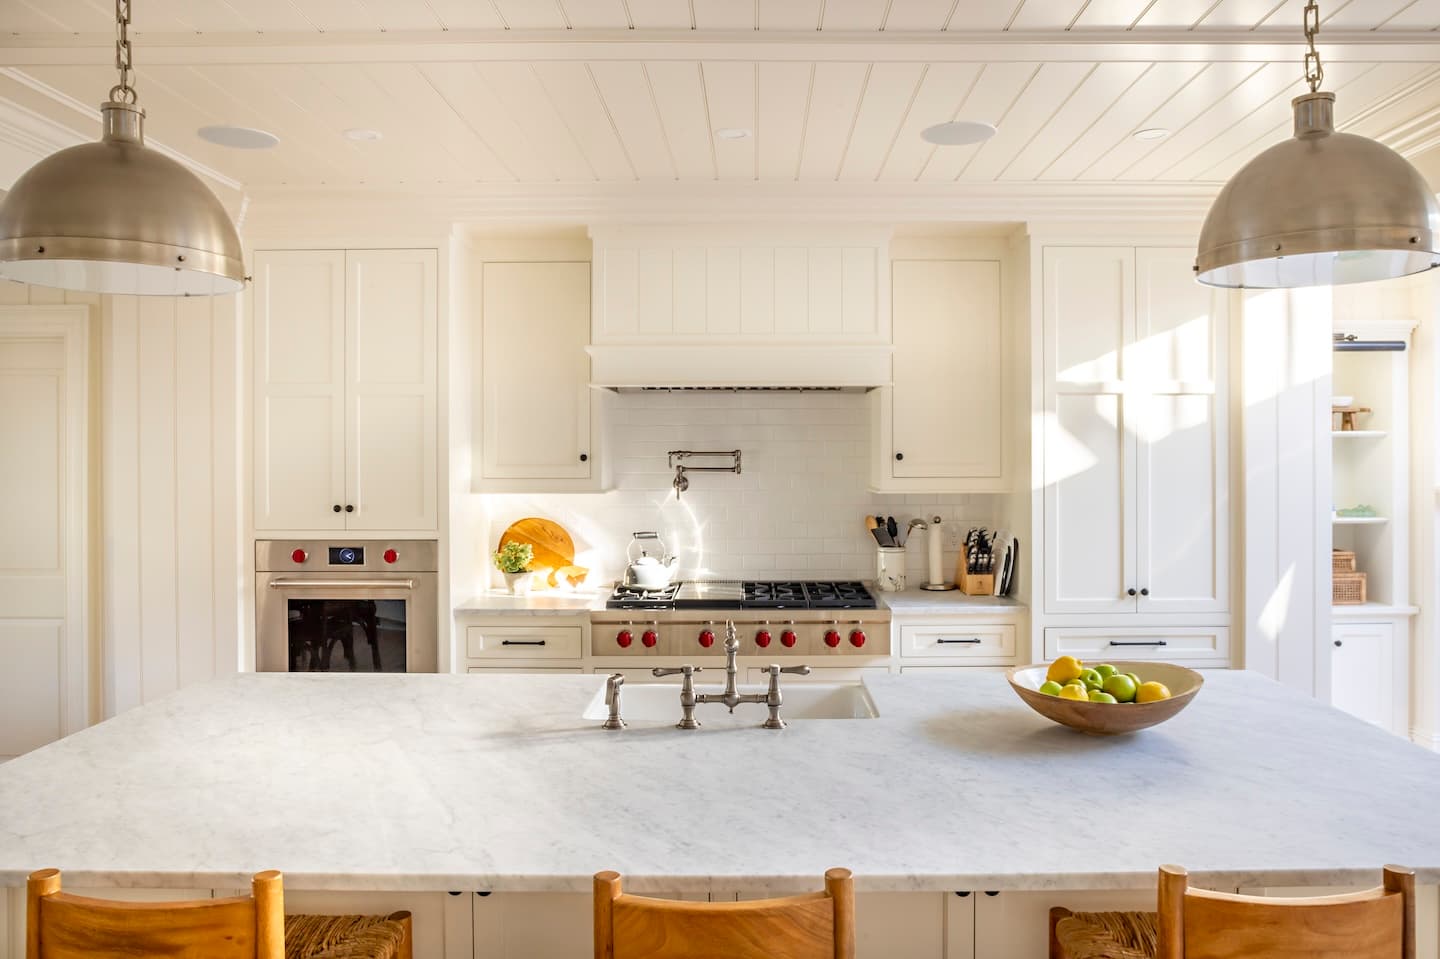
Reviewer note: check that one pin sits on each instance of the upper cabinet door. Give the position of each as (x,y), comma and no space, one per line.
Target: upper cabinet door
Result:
(1176,320)
(948,402)
(535,373)
(392,371)
(299,342)
(1089,308)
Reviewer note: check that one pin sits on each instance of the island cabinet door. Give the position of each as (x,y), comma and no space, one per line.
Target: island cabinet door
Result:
(1016,925)
(441,922)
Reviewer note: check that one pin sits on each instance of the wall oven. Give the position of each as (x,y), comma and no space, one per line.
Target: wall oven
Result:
(357,606)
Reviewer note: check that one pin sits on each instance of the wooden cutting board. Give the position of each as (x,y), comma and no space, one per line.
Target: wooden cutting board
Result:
(553,547)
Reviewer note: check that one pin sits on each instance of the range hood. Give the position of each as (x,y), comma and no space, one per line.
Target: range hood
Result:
(745,367)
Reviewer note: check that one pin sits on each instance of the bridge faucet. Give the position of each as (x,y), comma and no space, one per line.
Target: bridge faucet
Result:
(731,696)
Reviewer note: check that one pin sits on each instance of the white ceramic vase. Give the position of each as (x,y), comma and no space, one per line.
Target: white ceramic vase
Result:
(518,582)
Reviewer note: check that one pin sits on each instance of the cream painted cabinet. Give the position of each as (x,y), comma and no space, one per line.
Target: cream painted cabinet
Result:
(346,390)
(537,416)
(940,426)
(1369,673)
(1135,465)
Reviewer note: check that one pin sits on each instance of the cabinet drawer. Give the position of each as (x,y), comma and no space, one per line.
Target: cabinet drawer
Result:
(959,641)
(485,670)
(1199,645)
(523,642)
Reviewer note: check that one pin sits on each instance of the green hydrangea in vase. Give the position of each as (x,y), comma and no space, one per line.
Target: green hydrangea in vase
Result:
(513,559)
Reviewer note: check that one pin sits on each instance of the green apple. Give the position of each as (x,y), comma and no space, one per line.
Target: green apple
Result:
(1052,688)
(1105,670)
(1091,679)
(1121,686)
(1100,696)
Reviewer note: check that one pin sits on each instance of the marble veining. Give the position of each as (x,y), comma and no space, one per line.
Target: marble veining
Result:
(427,782)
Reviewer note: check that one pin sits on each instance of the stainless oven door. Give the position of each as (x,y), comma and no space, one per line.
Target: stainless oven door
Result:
(346,621)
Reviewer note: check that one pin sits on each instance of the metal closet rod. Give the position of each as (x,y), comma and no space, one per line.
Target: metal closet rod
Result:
(1350,343)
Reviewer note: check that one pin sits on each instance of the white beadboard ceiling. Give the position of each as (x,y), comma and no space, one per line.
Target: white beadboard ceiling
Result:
(535,93)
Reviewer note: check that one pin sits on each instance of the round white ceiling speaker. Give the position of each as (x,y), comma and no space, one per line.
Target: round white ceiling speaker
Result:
(958,133)
(239,138)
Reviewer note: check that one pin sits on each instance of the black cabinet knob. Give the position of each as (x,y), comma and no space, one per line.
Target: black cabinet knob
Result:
(899,456)
(1145,592)
(337,507)
(584,457)
(1338,643)
(1130,591)
(349,508)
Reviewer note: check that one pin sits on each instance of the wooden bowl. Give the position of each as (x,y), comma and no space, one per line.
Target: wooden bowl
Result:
(1108,719)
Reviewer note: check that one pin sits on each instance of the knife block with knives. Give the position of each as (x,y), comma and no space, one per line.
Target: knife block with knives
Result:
(975,572)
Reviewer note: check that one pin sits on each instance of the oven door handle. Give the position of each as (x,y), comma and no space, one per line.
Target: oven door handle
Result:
(342,583)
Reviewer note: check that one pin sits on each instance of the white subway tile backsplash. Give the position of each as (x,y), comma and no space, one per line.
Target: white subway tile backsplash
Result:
(796,510)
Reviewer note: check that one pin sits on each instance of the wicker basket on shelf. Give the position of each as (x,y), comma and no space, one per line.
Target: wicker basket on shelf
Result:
(1347,589)
(1342,561)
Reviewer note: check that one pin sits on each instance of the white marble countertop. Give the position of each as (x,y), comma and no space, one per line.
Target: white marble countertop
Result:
(495,602)
(439,782)
(924,602)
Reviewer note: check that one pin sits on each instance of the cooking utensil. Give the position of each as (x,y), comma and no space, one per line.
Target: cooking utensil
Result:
(882,532)
(648,571)
(893,529)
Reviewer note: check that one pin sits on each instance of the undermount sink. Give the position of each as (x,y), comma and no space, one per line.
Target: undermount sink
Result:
(660,703)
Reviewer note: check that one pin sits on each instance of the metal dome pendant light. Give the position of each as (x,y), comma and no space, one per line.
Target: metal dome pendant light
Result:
(115,217)
(1322,208)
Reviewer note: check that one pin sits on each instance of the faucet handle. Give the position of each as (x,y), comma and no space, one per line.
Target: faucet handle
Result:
(801,670)
(659,672)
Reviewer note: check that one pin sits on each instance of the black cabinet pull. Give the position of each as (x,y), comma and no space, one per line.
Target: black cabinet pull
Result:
(584,457)
(992,892)
(1338,643)
(962,893)
(1145,591)
(1130,591)
(522,642)
(349,508)
(337,507)
(899,456)
(1149,642)
(482,893)
(970,642)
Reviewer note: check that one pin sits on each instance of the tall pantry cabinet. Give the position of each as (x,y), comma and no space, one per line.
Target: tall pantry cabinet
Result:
(1131,471)
(346,376)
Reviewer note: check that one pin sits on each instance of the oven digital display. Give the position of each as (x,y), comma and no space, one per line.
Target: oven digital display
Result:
(347,556)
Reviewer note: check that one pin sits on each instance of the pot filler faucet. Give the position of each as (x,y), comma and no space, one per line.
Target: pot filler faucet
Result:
(730,696)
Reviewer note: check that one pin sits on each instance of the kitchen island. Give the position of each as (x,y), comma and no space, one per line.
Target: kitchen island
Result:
(443,784)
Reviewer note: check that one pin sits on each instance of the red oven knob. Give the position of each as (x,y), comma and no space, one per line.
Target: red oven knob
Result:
(707,638)
(788,638)
(299,556)
(390,556)
(832,638)
(624,638)
(762,638)
(857,638)
(650,638)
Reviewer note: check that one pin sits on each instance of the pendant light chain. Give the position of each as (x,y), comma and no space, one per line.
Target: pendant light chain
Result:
(1314,72)
(124,91)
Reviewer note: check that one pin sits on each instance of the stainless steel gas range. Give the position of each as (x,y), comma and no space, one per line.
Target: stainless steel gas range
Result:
(815,619)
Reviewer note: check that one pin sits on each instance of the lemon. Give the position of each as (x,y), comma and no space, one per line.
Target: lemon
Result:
(1064,669)
(1151,692)
(1050,688)
(1075,691)
(1100,696)
(1120,686)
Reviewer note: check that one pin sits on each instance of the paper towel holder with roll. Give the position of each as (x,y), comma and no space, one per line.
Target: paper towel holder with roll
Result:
(932,533)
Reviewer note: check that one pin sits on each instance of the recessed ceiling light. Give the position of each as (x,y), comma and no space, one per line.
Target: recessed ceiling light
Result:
(239,138)
(1152,133)
(732,133)
(958,133)
(363,135)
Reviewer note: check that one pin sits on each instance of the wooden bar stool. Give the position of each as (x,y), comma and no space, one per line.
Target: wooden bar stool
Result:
(817,925)
(61,926)
(1199,924)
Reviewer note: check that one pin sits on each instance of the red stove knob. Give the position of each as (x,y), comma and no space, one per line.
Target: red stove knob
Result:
(299,556)
(762,638)
(707,638)
(857,638)
(624,638)
(788,638)
(650,638)
(832,638)
(390,556)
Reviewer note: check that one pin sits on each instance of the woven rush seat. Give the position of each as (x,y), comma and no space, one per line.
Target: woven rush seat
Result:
(1104,935)
(347,937)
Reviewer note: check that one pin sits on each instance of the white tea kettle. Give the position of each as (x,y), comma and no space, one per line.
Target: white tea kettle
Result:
(647,570)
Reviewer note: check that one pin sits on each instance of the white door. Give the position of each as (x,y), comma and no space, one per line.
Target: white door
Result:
(392,380)
(1362,672)
(44,693)
(535,373)
(947,407)
(1088,446)
(299,320)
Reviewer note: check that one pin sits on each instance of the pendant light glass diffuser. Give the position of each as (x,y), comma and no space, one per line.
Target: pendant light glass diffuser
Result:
(1322,208)
(116,217)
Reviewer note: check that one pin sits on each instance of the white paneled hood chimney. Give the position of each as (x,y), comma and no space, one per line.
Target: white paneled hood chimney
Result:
(728,306)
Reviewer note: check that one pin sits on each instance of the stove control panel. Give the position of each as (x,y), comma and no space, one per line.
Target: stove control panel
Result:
(633,633)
